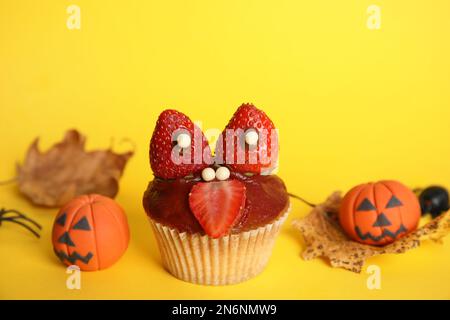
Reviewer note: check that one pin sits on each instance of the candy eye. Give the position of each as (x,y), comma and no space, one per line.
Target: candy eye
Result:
(394,202)
(208,174)
(366,205)
(82,224)
(222,173)
(184,140)
(251,137)
(62,219)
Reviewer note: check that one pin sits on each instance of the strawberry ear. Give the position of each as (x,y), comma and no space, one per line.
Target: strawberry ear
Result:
(178,147)
(249,143)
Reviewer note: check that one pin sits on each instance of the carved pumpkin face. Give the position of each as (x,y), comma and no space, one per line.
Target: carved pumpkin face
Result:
(91,231)
(379,213)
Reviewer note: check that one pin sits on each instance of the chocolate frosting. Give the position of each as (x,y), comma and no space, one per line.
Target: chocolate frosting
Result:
(167,202)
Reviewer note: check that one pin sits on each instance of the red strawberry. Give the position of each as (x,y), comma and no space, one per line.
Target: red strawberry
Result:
(217,205)
(257,158)
(166,157)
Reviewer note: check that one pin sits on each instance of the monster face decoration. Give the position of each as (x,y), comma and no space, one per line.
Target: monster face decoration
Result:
(91,232)
(379,213)
(65,239)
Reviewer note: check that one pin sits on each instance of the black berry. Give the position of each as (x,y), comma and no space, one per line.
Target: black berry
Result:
(434,200)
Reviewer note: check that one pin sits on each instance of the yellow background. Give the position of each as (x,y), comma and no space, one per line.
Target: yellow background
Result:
(351,105)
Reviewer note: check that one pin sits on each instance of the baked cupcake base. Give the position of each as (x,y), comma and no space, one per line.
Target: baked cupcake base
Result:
(227,260)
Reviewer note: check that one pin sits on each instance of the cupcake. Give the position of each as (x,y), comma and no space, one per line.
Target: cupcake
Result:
(215,218)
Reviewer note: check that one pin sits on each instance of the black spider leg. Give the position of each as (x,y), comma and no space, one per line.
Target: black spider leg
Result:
(15,219)
(21,215)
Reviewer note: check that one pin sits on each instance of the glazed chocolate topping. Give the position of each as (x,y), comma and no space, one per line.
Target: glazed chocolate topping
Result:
(167,202)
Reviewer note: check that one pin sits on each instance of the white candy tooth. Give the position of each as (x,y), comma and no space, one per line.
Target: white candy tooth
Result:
(208,174)
(251,137)
(183,140)
(222,173)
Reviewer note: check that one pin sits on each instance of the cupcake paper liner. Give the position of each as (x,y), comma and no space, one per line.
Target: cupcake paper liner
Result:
(227,260)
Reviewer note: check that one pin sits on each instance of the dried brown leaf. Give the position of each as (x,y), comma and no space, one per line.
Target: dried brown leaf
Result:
(66,170)
(325,238)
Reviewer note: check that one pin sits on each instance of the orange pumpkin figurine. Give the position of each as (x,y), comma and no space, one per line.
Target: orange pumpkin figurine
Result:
(91,231)
(379,213)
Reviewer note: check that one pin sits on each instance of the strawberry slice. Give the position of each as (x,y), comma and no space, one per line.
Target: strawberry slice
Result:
(217,205)
(242,157)
(166,157)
